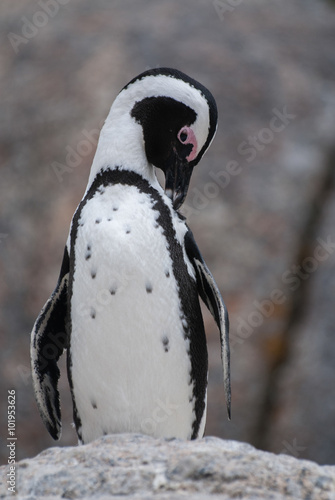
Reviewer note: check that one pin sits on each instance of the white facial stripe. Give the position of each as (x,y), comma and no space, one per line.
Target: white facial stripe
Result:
(162,85)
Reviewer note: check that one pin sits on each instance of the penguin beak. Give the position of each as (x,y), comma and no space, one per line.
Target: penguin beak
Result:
(177,179)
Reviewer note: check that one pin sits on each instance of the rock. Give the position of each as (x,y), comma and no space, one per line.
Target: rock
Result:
(136,466)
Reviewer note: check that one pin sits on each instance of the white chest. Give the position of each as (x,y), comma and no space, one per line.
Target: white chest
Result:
(130,360)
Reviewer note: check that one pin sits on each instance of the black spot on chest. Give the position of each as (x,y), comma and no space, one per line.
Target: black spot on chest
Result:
(166,343)
(88,253)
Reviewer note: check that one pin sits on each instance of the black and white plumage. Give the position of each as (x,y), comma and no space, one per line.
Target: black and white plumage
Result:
(126,305)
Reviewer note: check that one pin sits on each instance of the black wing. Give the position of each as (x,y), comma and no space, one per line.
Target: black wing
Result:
(49,338)
(210,294)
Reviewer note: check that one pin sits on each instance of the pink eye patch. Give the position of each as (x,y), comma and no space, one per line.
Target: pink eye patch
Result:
(187,136)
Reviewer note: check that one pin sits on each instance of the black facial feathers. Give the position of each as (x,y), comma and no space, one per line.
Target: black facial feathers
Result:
(179,75)
(161,119)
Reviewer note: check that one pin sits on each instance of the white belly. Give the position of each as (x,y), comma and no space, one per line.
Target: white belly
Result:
(130,362)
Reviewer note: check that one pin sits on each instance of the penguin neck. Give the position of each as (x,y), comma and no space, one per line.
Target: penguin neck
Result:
(121,146)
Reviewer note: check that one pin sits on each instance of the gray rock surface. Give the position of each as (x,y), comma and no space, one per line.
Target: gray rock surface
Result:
(135,466)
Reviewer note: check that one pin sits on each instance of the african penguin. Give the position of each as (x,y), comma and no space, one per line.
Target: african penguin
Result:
(126,305)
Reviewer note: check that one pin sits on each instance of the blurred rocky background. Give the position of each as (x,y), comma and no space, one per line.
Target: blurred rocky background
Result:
(261,203)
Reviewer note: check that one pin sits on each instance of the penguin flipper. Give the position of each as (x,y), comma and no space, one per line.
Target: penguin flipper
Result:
(49,338)
(210,294)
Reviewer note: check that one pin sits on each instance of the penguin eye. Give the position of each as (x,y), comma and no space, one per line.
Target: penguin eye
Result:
(183,135)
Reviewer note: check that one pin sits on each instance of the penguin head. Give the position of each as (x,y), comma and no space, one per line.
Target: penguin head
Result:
(178,120)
